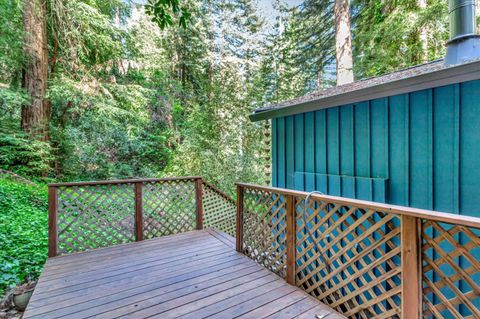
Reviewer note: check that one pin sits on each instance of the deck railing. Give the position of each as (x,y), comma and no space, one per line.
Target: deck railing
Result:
(88,215)
(364,259)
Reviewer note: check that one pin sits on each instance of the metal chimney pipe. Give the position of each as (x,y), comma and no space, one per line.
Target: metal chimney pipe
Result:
(464,43)
(462,18)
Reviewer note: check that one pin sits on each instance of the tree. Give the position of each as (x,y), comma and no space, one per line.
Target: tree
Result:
(423,34)
(36,114)
(163,12)
(343,42)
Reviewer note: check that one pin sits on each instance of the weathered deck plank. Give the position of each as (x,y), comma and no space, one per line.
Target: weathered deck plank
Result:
(191,275)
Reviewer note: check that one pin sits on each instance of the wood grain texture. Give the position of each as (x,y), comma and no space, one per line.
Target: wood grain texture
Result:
(52,221)
(192,275)
(411,269)
(291,240)
(393,209)
(138,211)
(198,202)
(239,222)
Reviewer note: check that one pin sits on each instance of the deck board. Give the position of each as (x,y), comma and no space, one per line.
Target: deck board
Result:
(191,275)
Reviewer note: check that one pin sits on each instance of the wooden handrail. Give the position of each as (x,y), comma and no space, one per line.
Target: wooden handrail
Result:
(124,181)
(443,217)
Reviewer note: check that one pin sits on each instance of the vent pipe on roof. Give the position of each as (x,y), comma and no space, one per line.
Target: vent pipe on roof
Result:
(464,43)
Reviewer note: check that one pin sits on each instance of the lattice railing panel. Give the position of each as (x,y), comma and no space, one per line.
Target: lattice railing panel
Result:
(219,211)
(94,216)
(451,271)
(355,267)
(264,232)
(169,207)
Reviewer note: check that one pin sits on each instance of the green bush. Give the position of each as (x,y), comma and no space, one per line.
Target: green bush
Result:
(22,155)
(23,232)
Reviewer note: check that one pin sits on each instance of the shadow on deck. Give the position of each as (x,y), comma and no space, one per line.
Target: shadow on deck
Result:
(197,274)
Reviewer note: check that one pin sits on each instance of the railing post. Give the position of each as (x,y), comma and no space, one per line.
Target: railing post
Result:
(291,238)
(52,221)
(411,268)
(138,211)
(239,232)
(199,201)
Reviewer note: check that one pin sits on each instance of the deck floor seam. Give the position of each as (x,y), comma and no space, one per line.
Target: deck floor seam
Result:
(112,278)
(140,286)
(192,275)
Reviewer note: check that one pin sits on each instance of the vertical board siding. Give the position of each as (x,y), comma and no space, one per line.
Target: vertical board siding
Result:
(333,147)
(281,153)
(469,147)
(274,152)
(299,150)
(290,144)
(443,148)
(347,150)
(320,150)
(309,151)
(419,149)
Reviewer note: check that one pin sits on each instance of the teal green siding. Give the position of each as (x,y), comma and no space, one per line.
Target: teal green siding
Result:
(420,149)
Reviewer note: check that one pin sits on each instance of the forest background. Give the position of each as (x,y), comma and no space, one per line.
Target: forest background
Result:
(100,89)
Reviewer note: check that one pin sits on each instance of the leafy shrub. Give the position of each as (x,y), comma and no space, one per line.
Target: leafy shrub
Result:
(104,130)
(23,232)
(21,155)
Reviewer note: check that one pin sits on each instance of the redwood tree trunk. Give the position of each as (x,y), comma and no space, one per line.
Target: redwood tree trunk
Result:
(36,114)
(343,42)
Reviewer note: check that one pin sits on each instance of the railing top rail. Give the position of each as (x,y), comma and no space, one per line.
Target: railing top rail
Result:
(387,208)
(124,181)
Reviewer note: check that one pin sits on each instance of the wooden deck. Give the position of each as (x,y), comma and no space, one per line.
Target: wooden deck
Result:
(190,275)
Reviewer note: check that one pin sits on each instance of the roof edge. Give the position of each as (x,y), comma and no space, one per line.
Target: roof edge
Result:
(455,74)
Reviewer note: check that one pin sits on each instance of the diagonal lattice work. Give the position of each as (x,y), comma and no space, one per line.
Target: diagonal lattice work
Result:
(451,270)
(355,265)
(89,215)
(264,232)
(219,210)
(94,216)
(366,259)
(169,207)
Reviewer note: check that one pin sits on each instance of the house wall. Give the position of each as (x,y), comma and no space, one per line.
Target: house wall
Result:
(420,149)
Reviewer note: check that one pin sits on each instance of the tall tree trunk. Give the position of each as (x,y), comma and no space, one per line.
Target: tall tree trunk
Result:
(343,42)
(36,114)
(422,5)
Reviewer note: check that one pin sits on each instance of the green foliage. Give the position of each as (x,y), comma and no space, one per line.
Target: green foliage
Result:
(386,34)
(20,154)
(23,232)
(106,130)
(164,11)
(11,37)
(11,102)
(83,34)
(132,97)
